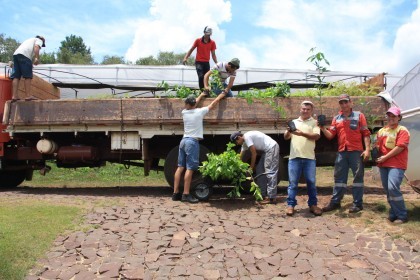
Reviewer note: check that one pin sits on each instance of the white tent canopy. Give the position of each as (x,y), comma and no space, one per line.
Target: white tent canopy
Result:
(74,79)
(406,93)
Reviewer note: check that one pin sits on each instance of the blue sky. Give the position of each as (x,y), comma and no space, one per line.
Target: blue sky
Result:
(357,36)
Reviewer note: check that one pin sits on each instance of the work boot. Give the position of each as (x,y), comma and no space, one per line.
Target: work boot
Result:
(176,196)
(315,210)
(266,200)
(290,210)
(355,209)
(189,198)
(331,206)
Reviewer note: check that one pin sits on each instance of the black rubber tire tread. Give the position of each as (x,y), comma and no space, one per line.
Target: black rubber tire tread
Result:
(12,179)
(171,164)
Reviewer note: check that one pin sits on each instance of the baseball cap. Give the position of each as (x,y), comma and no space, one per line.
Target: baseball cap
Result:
(235,62)
(42,39)
(307,102)
(208,30)
(190,100)
(344,96)
(235,135)
(394,110)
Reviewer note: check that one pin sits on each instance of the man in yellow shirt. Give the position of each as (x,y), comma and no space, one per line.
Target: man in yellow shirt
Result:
(303,133)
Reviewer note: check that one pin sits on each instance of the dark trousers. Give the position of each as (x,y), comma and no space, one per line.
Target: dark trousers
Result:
(202,68)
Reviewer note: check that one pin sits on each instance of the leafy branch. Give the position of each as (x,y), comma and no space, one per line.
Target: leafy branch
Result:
(229,167)
(177,91)
(318,59)
(215,82)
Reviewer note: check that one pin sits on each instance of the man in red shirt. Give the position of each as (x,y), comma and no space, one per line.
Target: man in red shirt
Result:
(353,148)
(205,45)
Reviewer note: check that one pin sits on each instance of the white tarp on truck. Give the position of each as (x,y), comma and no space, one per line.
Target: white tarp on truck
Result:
(149,77)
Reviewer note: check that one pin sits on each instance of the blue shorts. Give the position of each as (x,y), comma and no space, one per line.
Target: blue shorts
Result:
(22,67)
(189,153)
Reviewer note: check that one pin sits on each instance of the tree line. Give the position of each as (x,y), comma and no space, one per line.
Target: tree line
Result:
(73,50)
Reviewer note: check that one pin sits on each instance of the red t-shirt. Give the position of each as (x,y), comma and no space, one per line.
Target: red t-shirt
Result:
(388,139)
(204,49)
(350,131)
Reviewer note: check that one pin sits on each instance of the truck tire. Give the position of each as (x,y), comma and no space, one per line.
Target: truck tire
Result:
(12,179)
(171,164)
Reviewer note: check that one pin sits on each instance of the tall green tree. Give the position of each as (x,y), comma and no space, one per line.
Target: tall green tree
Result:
(113,60)
(7,48)
(164,58)
(48,58)
(74,51)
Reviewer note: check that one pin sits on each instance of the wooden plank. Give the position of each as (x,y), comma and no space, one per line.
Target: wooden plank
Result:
(155,111)
(40,89)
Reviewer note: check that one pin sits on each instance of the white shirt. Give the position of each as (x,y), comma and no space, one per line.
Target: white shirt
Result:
(27,47)
(221,67)
(259,140)
(193,122)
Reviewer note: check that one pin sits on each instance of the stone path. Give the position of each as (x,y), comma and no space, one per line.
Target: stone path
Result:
(152,237)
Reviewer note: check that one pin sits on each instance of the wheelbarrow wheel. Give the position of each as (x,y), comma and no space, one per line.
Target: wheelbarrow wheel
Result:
(202,191)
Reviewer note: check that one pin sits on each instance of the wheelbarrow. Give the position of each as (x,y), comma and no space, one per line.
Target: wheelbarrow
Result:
(203,189)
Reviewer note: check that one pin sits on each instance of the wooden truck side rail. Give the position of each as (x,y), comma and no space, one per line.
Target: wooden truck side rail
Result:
(155,115)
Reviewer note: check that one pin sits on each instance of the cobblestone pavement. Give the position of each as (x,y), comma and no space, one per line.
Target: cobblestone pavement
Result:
(148,236)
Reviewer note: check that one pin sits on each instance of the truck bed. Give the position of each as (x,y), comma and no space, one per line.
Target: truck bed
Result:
(163,115)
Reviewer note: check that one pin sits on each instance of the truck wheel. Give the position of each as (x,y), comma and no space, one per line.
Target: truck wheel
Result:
(171,164)
(202,191)
(11,179)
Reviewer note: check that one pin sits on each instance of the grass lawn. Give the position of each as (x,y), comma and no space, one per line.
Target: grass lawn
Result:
(27,230)
(111,175)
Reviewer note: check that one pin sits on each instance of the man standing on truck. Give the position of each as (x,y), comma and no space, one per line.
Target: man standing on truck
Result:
(258,142)
(225,70)
(189,148)
(353,133)
(205,45)
(303,134)
(23,64)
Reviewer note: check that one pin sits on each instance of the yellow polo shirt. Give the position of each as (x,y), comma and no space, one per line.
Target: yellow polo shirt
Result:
(302,147)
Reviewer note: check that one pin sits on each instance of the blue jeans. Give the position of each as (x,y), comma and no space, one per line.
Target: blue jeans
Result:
(189,153)
(391,181)
(343,162)
(297,166)
(217,91)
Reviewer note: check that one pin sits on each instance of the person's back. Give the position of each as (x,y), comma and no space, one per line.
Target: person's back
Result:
(259,140)
(193,122)
(27,47)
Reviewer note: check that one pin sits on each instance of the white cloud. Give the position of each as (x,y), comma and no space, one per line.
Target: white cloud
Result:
(173,26)
(352,34)
(406,50)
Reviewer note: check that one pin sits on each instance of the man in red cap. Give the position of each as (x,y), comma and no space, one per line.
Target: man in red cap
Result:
(353,137)
(392,143)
